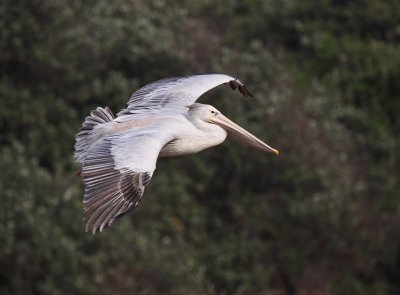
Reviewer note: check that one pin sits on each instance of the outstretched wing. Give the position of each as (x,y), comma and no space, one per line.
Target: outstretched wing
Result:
(174,94)
(116,171)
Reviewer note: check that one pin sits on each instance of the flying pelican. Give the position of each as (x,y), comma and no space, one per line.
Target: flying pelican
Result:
(162,119)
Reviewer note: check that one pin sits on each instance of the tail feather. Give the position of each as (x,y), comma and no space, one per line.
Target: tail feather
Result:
(88,134)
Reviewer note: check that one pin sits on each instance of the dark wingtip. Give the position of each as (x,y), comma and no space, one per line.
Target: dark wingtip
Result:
(248,93)
(237,84)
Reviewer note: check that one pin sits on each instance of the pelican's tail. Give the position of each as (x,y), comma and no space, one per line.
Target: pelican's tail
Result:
(88,133)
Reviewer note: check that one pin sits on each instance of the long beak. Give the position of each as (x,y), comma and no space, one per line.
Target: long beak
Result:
(241,134)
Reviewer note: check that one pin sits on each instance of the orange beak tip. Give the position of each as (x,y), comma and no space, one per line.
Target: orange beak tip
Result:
(277,152)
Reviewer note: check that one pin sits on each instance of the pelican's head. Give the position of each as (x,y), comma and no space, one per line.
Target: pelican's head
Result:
(209,114)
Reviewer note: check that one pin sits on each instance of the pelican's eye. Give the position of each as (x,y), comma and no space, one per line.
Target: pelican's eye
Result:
(214,112)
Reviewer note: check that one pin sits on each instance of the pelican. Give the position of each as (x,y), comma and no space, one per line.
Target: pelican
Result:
(118,155)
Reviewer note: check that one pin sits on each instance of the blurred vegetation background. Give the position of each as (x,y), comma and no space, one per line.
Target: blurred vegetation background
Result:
(322,218)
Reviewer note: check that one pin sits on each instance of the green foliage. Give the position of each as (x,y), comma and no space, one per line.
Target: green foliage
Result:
(321,218)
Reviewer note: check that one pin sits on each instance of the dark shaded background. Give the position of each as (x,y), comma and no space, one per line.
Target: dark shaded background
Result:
(323,218)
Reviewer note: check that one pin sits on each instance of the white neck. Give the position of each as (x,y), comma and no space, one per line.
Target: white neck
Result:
(207,135)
